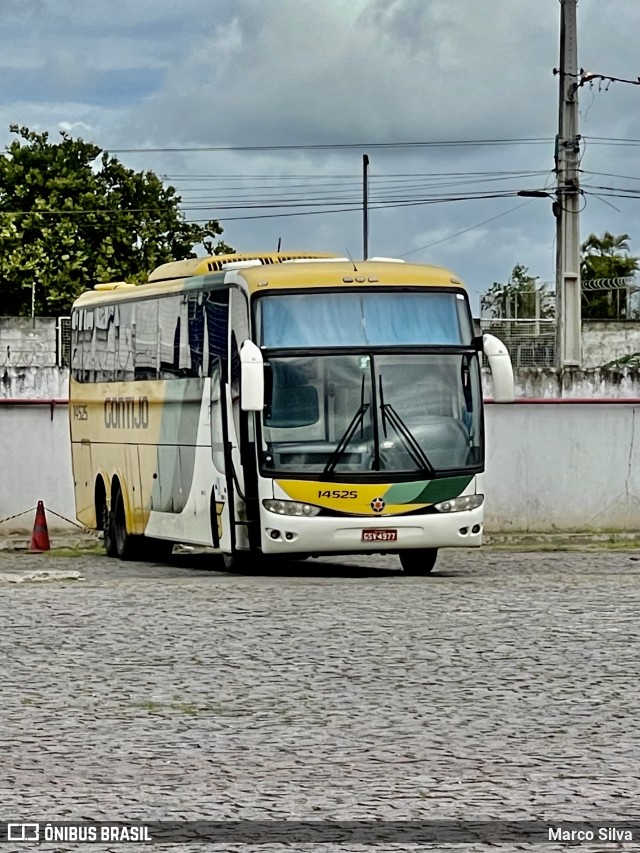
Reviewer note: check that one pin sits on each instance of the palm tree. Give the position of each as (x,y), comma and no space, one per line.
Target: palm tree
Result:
(606,257)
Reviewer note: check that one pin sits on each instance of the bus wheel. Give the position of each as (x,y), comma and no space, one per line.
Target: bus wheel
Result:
(245,562)
(419,562)
(126,545)
(155,550)
(238,561)
(109,539)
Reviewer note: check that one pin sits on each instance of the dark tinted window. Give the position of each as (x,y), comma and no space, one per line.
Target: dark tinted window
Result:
(167,338)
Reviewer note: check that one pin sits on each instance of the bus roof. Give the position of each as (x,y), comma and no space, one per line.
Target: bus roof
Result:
(387,273)
(215,263)
(319,272)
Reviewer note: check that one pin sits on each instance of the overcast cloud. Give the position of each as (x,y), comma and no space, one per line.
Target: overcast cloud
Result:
(199,73)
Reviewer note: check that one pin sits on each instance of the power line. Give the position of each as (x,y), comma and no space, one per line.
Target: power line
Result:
(611,175)
(346,208)
(616,142)
(338,146)
(465,230)
(352,177)
(451,143)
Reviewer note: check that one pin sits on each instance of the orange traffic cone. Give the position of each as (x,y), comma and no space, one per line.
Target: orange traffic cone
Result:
(40,535)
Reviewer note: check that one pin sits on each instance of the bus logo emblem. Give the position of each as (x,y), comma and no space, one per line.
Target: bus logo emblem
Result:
(377,504)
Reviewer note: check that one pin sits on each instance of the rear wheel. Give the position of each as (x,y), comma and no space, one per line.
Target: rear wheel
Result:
(127,546)
(418,562)
(109,539)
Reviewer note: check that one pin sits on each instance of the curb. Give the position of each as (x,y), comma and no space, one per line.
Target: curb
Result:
(562,541)
(76,541)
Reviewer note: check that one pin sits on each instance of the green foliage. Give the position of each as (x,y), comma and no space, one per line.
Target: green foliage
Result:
(71,216)
(521,297)
(606,257)
(630,361)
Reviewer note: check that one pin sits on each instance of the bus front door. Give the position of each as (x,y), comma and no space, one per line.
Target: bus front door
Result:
(227,513)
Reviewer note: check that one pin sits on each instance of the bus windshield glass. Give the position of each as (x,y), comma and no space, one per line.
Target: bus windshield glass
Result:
(363,318)
(398,413)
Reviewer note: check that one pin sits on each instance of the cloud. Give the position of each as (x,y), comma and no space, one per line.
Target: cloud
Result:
(399,71)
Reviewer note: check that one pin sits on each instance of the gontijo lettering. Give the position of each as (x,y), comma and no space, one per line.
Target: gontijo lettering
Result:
(126,412)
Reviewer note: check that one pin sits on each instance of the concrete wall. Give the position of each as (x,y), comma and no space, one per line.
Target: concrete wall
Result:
(604,341)
(29,359)
(538,383)
(28,343)
(571,384)
(550,466)
(563,467)
(35,464)
(34,382)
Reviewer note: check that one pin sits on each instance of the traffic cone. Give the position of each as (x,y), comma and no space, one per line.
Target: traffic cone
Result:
(40,536)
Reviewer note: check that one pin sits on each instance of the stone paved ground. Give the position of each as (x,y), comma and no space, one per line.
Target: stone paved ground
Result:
(503,686)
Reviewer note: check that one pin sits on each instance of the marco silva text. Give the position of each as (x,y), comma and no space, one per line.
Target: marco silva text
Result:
(589,833)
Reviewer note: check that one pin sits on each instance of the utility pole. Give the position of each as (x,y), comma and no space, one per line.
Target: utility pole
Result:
(568,197)
(365,207)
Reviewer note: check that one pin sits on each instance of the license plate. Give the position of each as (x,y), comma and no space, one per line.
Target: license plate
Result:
(379,535)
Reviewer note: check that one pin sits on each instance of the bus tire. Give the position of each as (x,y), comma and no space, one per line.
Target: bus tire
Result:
(155,550)
(245,562)
(109,539)
(418,562)
(126,544)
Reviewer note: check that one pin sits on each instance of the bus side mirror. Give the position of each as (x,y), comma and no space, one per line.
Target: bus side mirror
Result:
(251,378)
(501,368)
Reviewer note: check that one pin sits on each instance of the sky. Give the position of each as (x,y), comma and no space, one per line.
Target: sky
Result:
(288,95)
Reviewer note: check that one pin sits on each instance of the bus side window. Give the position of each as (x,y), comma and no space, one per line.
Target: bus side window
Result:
(195,322)
(124,344)
(169,325)
(146,339)
(103,343)
(216,311)
(239,333)
(77,320)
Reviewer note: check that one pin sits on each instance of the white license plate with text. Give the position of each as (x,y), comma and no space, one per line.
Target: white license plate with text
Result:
(379,535)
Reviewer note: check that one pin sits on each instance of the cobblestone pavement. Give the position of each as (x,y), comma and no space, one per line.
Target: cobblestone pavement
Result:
(504,686)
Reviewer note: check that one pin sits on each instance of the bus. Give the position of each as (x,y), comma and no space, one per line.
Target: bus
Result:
(282,406)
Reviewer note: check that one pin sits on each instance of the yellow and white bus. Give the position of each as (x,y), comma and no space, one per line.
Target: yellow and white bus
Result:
(281,406)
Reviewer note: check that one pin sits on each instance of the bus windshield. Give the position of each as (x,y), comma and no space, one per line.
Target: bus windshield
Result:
(357,413)
(363,318)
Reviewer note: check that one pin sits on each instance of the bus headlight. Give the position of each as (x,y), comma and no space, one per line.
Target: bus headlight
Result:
(460,504)
(291,508)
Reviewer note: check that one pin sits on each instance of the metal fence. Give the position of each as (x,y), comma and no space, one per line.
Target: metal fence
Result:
(63,342)
(525,320)
(531,343)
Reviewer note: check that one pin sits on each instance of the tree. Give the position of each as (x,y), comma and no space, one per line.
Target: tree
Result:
(71,216)
(606,257)
(520,298)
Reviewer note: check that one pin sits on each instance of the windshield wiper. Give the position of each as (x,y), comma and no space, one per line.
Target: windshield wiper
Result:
(410,442)
(341,446)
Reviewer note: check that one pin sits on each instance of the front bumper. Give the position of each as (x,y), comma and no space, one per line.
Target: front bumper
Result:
(284,534)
